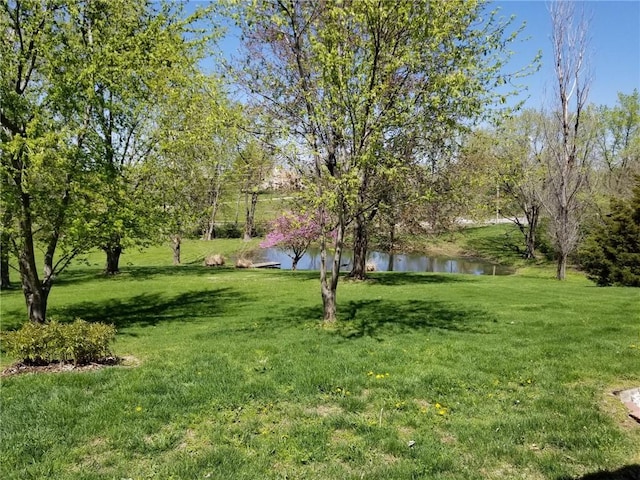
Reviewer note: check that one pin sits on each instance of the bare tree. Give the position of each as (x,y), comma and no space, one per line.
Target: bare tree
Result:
(568,142)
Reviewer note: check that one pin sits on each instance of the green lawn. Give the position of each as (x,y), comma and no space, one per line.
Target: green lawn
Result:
(229,375)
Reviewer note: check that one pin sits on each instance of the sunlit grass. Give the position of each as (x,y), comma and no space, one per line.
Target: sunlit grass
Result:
(231,375)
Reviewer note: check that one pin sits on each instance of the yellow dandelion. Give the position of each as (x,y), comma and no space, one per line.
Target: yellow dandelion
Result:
(442,411)
(138,408)
(369,373)
(438,406)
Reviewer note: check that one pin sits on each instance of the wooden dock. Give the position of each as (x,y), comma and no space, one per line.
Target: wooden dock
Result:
(266,265)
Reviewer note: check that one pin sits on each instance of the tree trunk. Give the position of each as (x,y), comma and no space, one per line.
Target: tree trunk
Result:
(390,263)
(37,304)
(329,286)
(328,304)
(360,247)
(392,236)
(530,235)
(211,229)
(176,241)
(5,281)
(113,259)
(561,269)
(35,293)
(251,211)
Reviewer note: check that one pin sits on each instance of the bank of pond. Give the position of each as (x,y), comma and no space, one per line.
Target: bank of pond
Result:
(388,262)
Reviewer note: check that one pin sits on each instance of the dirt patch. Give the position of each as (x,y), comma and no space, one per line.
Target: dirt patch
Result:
(324,410)
(57,367)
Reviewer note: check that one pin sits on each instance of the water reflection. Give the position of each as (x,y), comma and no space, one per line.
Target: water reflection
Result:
(390,262)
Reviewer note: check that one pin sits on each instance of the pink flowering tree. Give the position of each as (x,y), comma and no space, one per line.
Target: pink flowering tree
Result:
(293,233)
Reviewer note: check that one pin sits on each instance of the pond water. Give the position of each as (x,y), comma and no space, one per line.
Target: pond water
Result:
(390,262)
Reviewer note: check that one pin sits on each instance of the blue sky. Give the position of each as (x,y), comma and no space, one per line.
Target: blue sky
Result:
(614,47)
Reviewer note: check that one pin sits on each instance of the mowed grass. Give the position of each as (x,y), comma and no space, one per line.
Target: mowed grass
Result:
(230,375)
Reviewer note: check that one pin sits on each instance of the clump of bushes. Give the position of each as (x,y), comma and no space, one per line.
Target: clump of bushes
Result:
(611,254)
(79,342)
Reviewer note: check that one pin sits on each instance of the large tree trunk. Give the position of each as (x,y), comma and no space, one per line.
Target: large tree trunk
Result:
(176,241)
(360,247)
(561,267)
(251,212)
(37,304)
(35,293)
(113,252)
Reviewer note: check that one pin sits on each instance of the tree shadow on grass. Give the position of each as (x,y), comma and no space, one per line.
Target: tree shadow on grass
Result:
(409,278)
(382,318)
(76,276)
(628,472)
(149,309)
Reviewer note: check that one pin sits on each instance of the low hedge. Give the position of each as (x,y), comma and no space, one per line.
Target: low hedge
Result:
(79,342)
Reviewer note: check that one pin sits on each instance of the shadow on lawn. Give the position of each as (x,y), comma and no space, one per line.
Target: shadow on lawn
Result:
(150,309)
(629,472)
(409,278)
(379,318)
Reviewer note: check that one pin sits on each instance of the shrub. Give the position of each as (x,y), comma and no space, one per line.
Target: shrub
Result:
(229,230)
(611,254)
(79,342)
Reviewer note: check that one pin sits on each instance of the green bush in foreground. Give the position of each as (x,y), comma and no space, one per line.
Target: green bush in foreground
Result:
(79,342)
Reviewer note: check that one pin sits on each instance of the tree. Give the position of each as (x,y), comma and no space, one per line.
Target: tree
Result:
(611,254)
(347,79)
(293,233)
(57,110)
(252,166)
(568,141)
(43,114)
(520,150)
(618,144)
(197,147)
(133,83)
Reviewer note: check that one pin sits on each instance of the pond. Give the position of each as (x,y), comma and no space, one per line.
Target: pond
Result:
(390,262)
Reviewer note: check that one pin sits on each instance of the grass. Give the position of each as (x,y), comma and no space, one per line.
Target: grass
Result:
(234,377)
(270,205)
(498,243)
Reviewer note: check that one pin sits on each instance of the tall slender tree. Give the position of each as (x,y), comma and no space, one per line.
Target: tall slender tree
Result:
(569,144)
